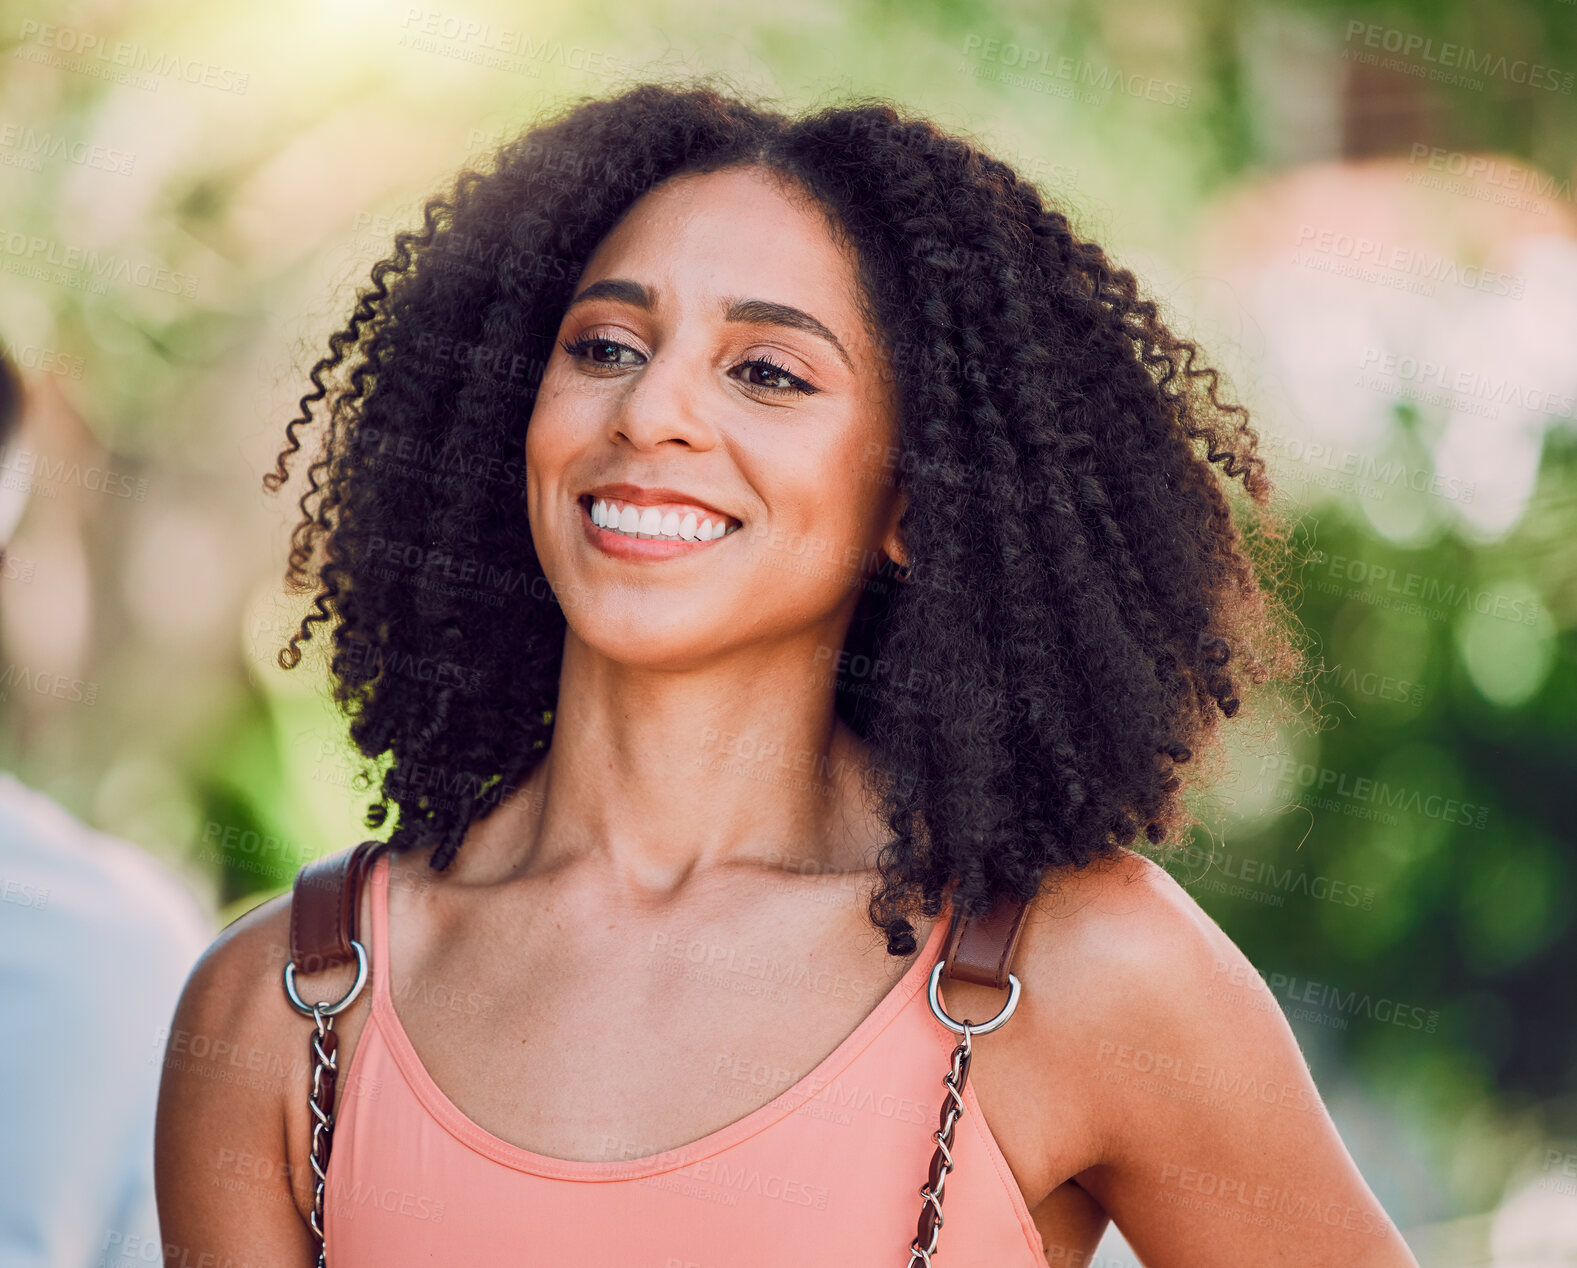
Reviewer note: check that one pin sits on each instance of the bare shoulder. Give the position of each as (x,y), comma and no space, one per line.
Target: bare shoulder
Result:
(1130,930)
(225,985)
(234,1062)
(235,992)
(1152,1041)
(1133,982)
(233,1008)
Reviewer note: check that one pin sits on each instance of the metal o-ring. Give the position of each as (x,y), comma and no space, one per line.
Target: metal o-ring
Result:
(345,1001)
(985,1027)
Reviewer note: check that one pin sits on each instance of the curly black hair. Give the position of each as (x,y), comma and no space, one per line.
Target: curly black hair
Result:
(1085,601)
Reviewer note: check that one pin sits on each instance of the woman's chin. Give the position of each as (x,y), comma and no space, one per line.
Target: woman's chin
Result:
(628,641)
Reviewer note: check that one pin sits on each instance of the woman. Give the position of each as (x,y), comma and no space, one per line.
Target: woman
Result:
(747,535)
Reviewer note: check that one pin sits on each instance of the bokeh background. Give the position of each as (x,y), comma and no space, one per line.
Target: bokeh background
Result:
(1364,213)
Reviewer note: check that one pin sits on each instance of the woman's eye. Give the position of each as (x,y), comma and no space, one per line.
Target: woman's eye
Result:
(768,376)
(596,350)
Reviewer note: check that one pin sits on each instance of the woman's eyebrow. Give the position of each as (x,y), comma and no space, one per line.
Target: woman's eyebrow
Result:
(757,311)
(767,313)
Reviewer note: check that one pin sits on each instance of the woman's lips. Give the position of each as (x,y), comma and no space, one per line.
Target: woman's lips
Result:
(622,546)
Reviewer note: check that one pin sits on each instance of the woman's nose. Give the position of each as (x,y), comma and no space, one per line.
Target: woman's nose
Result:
(669,399)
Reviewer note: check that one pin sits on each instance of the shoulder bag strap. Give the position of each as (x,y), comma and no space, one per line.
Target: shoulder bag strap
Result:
(979,949)
(325,908)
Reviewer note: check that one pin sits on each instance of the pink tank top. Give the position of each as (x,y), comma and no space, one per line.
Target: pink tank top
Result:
(829,1172)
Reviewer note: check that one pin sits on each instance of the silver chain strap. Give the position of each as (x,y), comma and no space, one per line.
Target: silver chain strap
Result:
(325,1072)
(929,1229)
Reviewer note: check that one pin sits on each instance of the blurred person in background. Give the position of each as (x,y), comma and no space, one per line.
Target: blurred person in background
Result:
(96,939)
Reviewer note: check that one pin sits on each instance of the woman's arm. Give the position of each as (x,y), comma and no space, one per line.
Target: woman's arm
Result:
(236,1050)
(1214,1147)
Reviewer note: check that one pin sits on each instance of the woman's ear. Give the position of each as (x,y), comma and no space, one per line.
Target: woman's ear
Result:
(892,544)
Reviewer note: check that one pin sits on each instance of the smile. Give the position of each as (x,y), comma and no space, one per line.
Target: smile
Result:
(673,522)
(627,531)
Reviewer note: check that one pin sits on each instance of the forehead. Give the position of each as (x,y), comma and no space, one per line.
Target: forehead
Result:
(741,232)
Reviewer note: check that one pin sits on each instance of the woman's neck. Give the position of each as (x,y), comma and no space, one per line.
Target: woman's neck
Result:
(659,776)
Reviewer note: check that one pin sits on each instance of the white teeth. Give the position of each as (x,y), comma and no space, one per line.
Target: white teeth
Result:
(650,522)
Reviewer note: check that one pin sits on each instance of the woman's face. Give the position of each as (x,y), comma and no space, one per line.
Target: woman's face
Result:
(713,371)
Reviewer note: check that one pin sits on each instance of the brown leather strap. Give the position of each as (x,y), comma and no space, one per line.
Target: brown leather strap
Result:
(325,907)
(981,950)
